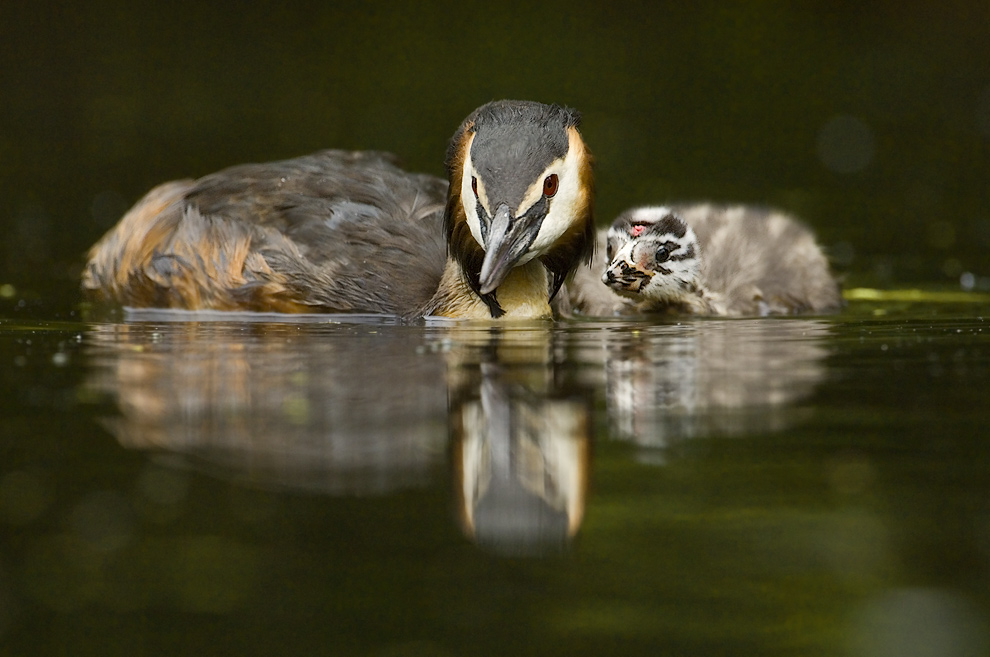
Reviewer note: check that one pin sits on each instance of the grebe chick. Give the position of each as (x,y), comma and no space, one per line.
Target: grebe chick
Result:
(351,232)
(707,259)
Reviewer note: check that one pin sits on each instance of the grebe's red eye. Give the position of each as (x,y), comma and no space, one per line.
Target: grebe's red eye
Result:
(550,185)
(474,185)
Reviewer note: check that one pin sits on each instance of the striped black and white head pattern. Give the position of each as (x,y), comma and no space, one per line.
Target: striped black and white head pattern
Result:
(653,255)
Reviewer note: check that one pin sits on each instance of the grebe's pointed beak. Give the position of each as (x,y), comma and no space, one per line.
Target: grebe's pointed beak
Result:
(509,239)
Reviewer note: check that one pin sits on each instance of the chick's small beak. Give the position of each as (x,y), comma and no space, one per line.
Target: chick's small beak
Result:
(508,241)
(620,275)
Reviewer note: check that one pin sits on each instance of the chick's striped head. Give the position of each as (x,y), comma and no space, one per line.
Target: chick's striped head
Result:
(653,255)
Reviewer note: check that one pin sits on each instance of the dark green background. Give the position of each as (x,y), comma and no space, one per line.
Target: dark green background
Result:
(102,100)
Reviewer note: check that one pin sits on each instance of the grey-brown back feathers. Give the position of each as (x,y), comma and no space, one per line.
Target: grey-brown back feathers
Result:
(334,231)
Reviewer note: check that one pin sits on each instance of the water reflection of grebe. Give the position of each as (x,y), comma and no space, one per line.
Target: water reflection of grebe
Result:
(521,466)
(298,407)
(351,232)
(304,407)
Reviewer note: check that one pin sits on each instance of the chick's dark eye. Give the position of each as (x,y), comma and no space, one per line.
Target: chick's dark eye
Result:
(550,185)
(663,254)
(474,185)
(608,251)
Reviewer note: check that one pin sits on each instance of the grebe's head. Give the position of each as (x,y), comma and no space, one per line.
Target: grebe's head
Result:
(653,254)
(521,188)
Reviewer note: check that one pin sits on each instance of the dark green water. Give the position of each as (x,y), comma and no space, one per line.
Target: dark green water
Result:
(777,487)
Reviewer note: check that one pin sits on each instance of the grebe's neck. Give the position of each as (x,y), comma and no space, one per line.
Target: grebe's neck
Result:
(524,294)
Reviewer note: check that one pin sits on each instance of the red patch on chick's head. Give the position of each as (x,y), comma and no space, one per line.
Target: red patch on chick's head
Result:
(636,231)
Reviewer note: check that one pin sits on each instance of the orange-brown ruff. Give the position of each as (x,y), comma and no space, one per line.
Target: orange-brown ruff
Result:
(346,232)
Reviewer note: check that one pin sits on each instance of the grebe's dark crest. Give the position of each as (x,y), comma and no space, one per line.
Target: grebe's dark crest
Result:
(352,232)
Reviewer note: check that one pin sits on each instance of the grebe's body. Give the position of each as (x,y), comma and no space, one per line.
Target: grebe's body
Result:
(352,232)
(707,259)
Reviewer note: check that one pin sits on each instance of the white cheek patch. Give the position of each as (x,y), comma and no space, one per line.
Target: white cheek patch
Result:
(570,200)
(468,199)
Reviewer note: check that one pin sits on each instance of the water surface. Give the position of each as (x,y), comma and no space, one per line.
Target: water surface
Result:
(350,485)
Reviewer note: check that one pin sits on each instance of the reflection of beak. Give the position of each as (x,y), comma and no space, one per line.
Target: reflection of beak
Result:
(509,240)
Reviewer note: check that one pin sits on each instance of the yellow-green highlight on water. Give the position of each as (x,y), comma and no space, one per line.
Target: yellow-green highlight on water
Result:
(871,294)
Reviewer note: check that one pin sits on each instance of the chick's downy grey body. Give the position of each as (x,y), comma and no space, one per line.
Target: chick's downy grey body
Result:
(707,259)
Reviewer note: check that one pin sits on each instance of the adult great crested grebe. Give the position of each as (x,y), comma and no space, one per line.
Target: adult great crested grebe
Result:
(351,232)
(706,259)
